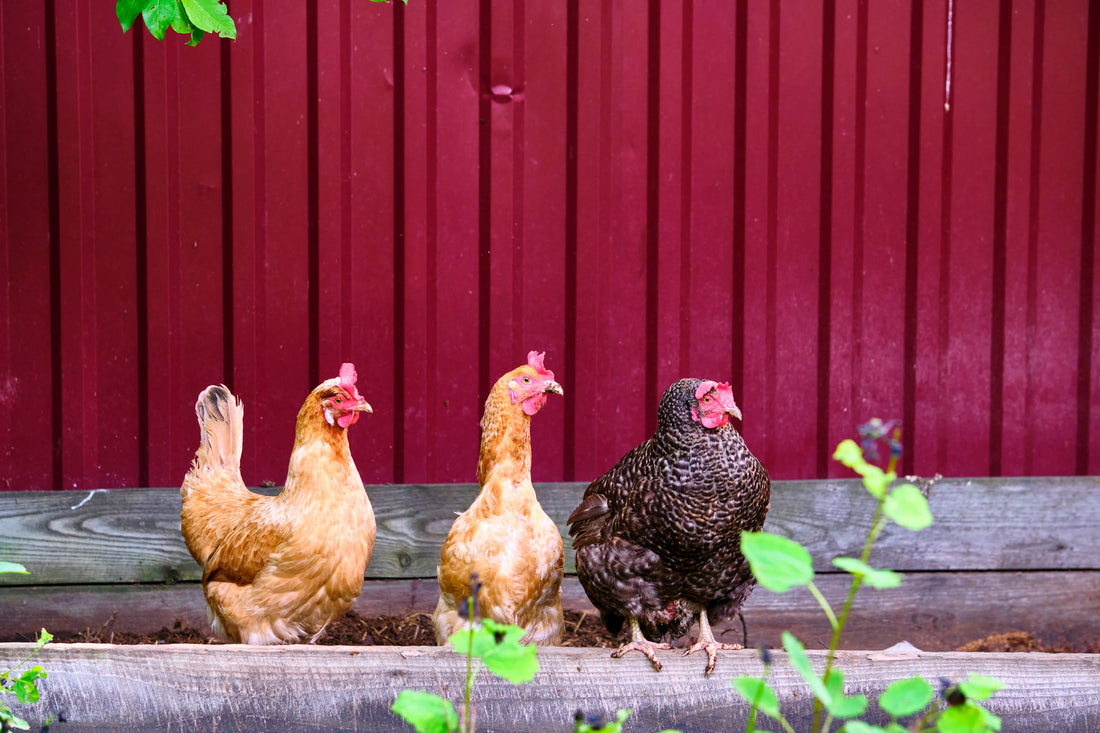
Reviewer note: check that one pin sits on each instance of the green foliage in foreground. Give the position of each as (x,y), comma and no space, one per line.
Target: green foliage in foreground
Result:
(781,564)
(21,684)
(498,647)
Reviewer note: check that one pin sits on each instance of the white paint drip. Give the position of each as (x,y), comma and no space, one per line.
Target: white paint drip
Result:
(950,44)
(92,493)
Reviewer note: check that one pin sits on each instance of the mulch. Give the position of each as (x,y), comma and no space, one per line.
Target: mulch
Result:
(582,629)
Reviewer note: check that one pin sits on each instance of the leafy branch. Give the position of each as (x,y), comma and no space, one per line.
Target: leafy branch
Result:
(21,684)
(780,564)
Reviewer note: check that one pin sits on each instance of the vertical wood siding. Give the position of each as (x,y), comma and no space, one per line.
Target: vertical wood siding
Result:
(745,191)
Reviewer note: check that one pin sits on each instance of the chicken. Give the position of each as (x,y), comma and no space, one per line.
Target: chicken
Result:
(504,550)
(277,570)
(658,536)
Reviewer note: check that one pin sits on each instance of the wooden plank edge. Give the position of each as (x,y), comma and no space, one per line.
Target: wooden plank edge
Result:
(101,687)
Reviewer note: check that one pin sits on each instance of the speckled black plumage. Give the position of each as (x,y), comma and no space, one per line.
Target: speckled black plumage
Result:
(658,536)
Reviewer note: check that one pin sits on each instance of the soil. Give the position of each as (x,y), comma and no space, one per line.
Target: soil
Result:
(582,629)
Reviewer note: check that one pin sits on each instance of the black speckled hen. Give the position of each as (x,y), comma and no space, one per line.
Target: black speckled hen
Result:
(657,537)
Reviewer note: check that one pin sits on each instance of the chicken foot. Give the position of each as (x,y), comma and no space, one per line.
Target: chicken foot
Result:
(707,642)
(638,643)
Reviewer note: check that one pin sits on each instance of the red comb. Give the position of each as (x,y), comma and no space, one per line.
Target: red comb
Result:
(348,378)
(534,360)
(707,386)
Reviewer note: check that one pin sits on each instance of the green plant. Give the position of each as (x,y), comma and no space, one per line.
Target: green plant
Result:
(20,684)
(187,17)
(498,647)
(193,18)
(780,564)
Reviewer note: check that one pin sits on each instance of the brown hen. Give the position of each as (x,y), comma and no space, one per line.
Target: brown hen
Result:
(278,569)
(504,545)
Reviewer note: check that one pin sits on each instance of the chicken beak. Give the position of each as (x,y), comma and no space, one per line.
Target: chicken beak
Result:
(735,411)
(363,406)
(553,387)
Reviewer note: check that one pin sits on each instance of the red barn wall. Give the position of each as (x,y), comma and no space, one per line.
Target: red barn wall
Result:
(739,190)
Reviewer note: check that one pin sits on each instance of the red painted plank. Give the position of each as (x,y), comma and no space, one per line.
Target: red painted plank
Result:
(418,247)
(933,257)
(1052,347)
(708,279)
(848,225)
(674,189)
(367,225)
(794,421)
(965,399)
(761,147)
(452,387)
(879,316)
(248,230)
(542,227)
(611,302)
(26,461)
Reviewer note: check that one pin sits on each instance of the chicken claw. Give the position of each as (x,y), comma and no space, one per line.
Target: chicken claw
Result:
(638,643)
(707,642)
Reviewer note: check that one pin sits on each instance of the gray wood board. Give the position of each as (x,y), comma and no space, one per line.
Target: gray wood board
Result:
(934,611)
(235,688)
(132,535)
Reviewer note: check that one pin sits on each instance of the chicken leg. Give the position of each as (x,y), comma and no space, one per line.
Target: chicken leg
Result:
(706,641)
(638,643)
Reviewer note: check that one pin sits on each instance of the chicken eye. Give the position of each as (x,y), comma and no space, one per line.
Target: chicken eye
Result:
(339,400)
(707,398)
(526,380)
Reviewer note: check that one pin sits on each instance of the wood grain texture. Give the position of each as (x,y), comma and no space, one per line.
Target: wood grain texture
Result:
(934,611)
(100,687)
(981,524)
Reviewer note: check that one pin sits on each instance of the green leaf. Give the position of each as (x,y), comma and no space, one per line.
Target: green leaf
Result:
(849,454)
(871,576)
(875,479)
(801,663)
(980,687)
(754,689)
(160,15)
(211,16)
(13,567)
(966,718)
(44,637)
(425,712)
(25,692)
(843,706)
(906,697)
(908,507)
(858,726)
(508,658)
(128,11)
(777,562)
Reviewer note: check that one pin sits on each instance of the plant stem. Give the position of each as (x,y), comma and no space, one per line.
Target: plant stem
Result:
(469,723)
(833,623)
(878,522)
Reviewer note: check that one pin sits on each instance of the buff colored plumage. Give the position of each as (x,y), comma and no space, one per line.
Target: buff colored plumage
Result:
(278,569)
(505,540)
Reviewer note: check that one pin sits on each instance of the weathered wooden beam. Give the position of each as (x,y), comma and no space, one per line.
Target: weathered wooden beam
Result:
(235,688)
(934,611)
(132,535)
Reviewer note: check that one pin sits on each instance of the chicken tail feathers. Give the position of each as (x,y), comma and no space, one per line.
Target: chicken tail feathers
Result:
(221,429)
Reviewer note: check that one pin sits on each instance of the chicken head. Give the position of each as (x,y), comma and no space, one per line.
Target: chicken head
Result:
(340,399)
(532,383)
(715,404)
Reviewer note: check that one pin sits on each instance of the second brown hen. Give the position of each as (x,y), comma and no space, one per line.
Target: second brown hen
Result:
(278,569)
